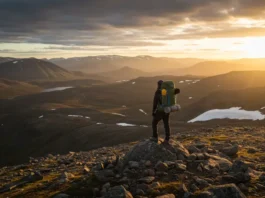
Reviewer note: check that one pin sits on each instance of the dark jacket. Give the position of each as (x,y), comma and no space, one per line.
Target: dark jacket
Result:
(158,98)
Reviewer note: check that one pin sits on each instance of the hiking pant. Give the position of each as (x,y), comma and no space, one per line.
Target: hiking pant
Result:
(156,119)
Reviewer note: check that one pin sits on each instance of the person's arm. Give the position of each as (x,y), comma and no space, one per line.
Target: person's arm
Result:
(177,91)
(155,102)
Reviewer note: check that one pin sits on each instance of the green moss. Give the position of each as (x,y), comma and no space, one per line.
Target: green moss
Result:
(244,153)
(84,187)
(219,138)
(172,187)
(35,189)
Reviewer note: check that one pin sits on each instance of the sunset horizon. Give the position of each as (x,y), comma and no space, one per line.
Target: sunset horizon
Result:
(175,28)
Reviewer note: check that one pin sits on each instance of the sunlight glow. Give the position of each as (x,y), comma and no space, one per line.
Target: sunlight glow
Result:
(254,47)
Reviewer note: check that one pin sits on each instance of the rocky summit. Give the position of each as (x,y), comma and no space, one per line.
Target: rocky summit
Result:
(213,164)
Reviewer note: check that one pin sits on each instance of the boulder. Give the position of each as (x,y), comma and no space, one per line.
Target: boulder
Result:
(147,180)
(149,172)
(33,177)
(239,166)
(148,163)
(201,182)
(151,151)
(118,192)
(180,167)
(65,177)
(222,191)
(242,187)
(170,164)
(239,170)
(105,175)
(155,185)
(262,177)
(242,177)
(109,173)
(61,195)
(161,167)
(200,156)
(192,157)
(86,170)
(225,179)
(143,186)
(252,150)
(193,149)
(230,151)
(134,165)
(140,192)
(223,164)
(194,188)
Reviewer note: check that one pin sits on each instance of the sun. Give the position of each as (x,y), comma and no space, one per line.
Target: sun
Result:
(254,47)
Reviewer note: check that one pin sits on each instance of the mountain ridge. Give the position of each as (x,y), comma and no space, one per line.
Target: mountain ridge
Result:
(32,69)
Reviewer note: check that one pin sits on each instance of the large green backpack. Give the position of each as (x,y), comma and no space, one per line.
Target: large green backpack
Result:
(168,95)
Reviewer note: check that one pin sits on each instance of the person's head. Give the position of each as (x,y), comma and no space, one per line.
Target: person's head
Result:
(159,83)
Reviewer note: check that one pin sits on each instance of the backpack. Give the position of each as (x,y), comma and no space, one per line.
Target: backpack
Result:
(168,96)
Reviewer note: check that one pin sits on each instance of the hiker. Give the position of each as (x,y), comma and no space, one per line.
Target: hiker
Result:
(159,115)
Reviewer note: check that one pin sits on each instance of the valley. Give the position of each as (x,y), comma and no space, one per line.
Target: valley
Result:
(51,111)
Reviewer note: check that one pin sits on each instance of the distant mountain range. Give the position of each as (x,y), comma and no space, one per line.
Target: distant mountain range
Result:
(212,68)
(159,66)
(95,64)
(113,68)
(35,69)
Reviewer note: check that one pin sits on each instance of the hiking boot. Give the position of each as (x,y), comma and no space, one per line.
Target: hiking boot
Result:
(153,139)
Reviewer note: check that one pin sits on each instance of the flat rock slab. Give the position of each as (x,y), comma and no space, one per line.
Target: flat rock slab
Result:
(154,152)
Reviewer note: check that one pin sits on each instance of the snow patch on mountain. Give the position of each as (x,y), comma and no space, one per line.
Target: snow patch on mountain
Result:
(118,114)
(141,110)
(125,124)
(232,113)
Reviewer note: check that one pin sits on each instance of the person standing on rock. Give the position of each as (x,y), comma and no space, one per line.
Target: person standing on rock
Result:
(159,114)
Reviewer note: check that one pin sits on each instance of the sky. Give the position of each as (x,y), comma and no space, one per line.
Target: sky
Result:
(212,29)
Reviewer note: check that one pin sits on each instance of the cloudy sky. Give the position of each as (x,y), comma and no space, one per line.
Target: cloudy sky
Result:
(175,28)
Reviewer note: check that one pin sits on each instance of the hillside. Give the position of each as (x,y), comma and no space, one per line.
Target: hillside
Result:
(94,76)
(248,99)
(33,69)
(105,96)
(92,64)
(60,115)
(231,81)
(44,117)
(212,68)
(125,73)
(6,59)
(67,83)
(10,89)
(221,162)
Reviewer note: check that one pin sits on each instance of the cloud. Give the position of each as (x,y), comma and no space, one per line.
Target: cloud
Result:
(75,48)
(6,51)
(238,43)
(122,23)
(229,32)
